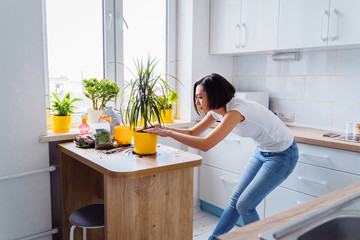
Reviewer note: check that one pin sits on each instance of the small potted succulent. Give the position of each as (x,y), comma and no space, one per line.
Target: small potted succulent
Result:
(63,109)
(169,103)
(100,93)
(145,104)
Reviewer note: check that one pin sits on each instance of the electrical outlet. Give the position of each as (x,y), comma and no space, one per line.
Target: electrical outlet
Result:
(286,116)
(289,117)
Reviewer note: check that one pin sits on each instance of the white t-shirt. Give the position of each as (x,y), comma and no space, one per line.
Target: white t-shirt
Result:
(268,131)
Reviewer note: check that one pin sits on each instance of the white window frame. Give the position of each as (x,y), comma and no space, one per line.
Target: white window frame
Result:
(113,41)
(113,25)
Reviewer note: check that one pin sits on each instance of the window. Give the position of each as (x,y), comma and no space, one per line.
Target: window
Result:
(86,38)
(146,34)
(75,45)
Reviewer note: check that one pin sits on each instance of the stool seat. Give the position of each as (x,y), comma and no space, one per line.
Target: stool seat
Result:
(91,216)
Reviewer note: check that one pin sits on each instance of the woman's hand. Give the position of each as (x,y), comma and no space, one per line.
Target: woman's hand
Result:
(156,129)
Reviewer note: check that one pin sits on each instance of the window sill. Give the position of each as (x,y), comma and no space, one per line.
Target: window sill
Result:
(52,136)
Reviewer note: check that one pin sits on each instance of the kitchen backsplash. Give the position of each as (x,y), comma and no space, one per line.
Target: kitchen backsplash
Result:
(322,90)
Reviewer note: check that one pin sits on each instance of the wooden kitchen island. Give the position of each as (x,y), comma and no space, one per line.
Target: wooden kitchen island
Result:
(145,197)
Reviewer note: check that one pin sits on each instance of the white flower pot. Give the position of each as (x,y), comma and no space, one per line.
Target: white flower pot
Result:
(94,115)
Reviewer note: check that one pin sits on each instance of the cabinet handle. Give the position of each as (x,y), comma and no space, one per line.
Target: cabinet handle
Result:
(312,155)
(311,180)
(228,180)
(243,35)
(232,140)
(110,21)
(334,21)
(325,14)
(126,25)
(237,36)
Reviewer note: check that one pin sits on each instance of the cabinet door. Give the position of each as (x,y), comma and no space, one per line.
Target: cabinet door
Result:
(225,26)
(318,181)
(231,154)
(303,23)
(259,25)
(217,185)
(345,161)
(344,22)
(282,199)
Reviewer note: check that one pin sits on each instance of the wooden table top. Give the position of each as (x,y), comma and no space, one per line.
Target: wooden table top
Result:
(251,231)
(315,137)
(122,162)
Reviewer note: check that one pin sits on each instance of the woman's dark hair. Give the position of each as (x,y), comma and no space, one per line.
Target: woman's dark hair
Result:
(219,91)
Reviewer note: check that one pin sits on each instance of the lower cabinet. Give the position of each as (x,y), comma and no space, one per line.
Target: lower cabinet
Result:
(318,181)
(320,170)
(216,187)
(281,199)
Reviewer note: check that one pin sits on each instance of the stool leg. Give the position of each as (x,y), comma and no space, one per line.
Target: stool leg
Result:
(84,233)
(72,232)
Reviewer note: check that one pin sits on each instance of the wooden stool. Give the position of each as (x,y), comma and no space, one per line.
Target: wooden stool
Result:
(91,216)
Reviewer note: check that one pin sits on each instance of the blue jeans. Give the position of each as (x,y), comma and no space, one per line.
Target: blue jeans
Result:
(264,172)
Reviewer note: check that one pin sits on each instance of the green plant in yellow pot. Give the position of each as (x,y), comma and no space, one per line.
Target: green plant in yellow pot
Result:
(169,103)
(62,109)
(145,104)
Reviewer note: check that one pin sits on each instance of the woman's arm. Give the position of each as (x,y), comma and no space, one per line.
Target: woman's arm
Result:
(203,143)
(199,128)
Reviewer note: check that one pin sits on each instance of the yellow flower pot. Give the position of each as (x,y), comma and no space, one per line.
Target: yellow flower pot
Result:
(123,135)
(62,123)
(145,143)
(168,116)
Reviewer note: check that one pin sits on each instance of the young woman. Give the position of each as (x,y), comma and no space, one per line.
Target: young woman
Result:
(274,158)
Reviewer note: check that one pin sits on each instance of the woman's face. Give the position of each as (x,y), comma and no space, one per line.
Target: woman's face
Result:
(201,99)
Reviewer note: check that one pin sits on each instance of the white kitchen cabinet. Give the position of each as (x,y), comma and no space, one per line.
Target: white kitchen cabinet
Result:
(307,23)
(225,26)
(320,170)
(344,22)
(318,181)
(259,25)
(231,154)
(281,199)
(217,186)
(303,23)
(221,169)
(336,159)
(243,26)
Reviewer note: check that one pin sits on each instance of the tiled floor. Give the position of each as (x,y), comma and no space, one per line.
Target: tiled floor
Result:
(204,224)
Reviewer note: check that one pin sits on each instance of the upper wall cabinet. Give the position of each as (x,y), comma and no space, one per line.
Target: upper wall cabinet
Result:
(243,25)
(240,26)
(308,23)
(225,26)
(303,23)
(259,25)
(344,22)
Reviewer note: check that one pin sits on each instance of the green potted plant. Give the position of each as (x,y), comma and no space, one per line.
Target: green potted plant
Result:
(63,109)
(168,103)
(145,104)
(100,93)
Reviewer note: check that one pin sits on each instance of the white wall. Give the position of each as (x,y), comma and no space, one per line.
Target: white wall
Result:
(322,89)
(195,61)
(24,202)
